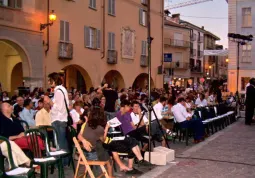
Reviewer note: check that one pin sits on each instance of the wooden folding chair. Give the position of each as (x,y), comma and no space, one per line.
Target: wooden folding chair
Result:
(83,161)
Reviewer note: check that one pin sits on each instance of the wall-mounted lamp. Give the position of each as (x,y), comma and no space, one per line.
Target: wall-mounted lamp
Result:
(227,60)
(52,18)
(210,67)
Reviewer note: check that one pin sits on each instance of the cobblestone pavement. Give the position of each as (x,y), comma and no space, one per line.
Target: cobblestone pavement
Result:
(227,154)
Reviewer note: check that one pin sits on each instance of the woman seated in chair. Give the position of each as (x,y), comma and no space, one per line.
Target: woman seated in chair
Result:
(93,135)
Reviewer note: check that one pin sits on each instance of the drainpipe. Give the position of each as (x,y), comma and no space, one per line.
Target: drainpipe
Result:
(48,30)
(163,25)
(103,29)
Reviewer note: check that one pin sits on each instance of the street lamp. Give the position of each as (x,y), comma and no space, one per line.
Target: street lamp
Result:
(52,18)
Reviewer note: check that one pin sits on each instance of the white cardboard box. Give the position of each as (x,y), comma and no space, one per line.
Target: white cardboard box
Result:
(170,154)
(157,158)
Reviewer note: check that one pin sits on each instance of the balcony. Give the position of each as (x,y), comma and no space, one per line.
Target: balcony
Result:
(177,65)
(65,50)
(193,52)
(200,39)
(177,43)
(200,54)
(196,69)
(193,37)
(112,56)
(143,61)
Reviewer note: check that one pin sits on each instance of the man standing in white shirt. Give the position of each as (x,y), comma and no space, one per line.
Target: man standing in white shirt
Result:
(58,109)
(185,120)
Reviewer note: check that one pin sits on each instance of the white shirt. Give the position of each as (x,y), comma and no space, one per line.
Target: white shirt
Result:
(58,110)
(158,108)
(136,118)
(75,115)
(201,103)
(180,113)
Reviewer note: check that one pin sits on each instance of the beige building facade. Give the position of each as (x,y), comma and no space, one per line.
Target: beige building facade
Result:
(177,44)
(92,41)
(21,48)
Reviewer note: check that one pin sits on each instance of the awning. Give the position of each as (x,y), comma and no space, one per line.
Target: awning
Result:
(215,52)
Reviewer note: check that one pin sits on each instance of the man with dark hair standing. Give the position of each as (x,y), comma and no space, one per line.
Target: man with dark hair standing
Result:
(111,97)
(58,109)
(249,102)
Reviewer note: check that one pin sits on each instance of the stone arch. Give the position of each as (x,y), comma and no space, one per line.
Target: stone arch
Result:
(77,77)
(114,78)
(141,81)
(15,64)
(26,61)
(16,76)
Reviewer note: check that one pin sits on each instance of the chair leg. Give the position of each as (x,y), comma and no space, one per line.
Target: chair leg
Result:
(77,168)
(44,171)
(187,136)
(104,171)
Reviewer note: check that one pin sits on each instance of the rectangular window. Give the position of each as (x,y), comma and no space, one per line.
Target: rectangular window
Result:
(144,48)
(247,18)
(111,7)
(92,38)
(246,53)
(142,17)
(64,31)
(144,2)
(244,82)
(111,41)
(17,4)
(92,4)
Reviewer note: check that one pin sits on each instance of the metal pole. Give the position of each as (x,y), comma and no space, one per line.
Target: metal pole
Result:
(149,70)
(237,67)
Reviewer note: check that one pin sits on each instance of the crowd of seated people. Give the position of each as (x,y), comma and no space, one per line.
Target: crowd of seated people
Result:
(91,111)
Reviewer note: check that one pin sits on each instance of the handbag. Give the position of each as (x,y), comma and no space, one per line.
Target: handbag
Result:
(69,118)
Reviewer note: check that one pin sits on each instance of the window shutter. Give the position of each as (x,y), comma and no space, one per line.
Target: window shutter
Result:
(145,48)
(142,49)
(113,7)
(86,36)
(94,5)
(67,31)
(113,41)
(141,16)
(62,30)
(109,6)
(109,40)
(18,3)
(98,39)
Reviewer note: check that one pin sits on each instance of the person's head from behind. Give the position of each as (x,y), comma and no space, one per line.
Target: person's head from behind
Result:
(135,106)
(6,109)
(143,98)
(54,79)
(96,118)
(20,101)
(163,100)
(181,100)
(252,81)
(123,97)
(28,104)
(125,106)
(5,94)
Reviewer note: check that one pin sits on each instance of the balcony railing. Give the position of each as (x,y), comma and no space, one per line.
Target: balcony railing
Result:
(193,52)
(196,69)
(144,61)
(177,43)
(65,50)
(193,37)
(177,65)
(200,39)
(200,54)
(112,57)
